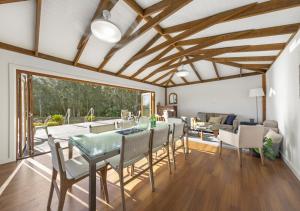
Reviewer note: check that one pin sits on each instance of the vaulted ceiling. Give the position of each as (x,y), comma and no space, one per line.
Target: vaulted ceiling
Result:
(213,39)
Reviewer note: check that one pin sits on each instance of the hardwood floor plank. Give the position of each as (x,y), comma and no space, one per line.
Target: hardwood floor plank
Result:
(201,182)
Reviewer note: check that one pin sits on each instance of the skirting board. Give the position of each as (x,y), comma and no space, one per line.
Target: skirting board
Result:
(288,163)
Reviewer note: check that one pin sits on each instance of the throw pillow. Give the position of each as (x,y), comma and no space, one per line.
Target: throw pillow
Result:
(201,117)
(224,117)
(215,120)
(229,120)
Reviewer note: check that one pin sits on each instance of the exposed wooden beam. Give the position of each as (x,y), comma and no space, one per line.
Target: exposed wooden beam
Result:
(216,70)
(216,79)
(264,100)
(38,10)
(159,69)
(262,68)
(261,8)
(145,47)
(144,67)
(206,55)
(245,48)
(156,7)
(10,1)
(245,59)
(246,34)
(146,27)
(126,35)
(24,51)
(184,80)
(194,48)
(163,76)
(210,21)
(103,5)
(195,70)
(169,79)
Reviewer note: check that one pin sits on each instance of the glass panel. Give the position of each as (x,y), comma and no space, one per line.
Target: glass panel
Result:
(94,145)
(146,104)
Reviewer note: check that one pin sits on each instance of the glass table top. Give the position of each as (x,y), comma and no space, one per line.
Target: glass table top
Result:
(94,145)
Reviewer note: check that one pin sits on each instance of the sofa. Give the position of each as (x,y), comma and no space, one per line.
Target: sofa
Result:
(215,121)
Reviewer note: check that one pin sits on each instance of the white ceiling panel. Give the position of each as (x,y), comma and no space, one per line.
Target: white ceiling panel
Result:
(63,22)
(282,17)
(17,23)
(253,41)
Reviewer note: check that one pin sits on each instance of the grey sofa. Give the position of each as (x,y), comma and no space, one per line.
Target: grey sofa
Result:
(203,118)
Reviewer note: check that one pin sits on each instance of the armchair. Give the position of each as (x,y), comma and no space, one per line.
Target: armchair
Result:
(247,137)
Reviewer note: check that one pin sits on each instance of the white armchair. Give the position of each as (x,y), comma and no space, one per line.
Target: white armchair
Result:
(247,137)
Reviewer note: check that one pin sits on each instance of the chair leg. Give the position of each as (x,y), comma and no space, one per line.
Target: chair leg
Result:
(220,148)
(103,174)
(54,175)
(122,189)
(169,160)
(261,155)
(150,163)
(62,196)
(183,146)
(239,150)
(173,153)
(132,170)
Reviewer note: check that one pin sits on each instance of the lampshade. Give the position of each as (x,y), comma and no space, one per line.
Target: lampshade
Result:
(105,30)
(257,92)
(182,72)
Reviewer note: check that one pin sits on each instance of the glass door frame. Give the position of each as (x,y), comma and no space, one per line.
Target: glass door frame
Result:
(17,103)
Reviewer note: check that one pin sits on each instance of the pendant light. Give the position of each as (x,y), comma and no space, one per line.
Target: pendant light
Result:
(105,30)
(182,72)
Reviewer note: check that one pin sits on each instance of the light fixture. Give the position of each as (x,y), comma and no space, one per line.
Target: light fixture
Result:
(105,30)
(182,72)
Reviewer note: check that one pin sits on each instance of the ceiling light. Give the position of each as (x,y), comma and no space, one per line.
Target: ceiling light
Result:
(105,30)
(182,72)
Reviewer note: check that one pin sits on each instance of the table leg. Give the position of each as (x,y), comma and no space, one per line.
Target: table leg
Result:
(187,143)
(70,150)
(92,186)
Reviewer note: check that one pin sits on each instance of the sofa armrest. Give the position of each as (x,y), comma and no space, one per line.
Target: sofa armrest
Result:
(228,137)
(235,125)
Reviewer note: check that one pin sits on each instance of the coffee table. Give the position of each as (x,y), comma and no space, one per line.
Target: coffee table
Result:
(204,130)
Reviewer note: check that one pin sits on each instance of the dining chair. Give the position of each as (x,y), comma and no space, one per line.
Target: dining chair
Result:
(134,147)
(178,132)
(124,124)
(247,137)
(71,171)
(102,128)
(160,140)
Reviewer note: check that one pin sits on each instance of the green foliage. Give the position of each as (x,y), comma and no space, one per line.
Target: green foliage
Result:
(55,96)
(36,124)
(52,123)
(267,149)
(58,118)
(90,118)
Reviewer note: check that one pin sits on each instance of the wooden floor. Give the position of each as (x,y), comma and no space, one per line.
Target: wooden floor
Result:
(202,182)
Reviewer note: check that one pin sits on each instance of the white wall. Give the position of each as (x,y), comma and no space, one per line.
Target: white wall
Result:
(283,101)
(10,61)
(228,96)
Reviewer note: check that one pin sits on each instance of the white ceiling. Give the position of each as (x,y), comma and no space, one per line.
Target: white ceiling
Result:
(63,22)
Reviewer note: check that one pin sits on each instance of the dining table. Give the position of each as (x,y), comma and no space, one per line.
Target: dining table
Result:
(95,148)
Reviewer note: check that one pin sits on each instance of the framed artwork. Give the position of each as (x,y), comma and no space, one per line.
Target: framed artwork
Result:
(173,98)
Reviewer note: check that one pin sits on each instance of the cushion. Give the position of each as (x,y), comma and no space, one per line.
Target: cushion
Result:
(201,117)
(215,120)
(224,117)
(229,120)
